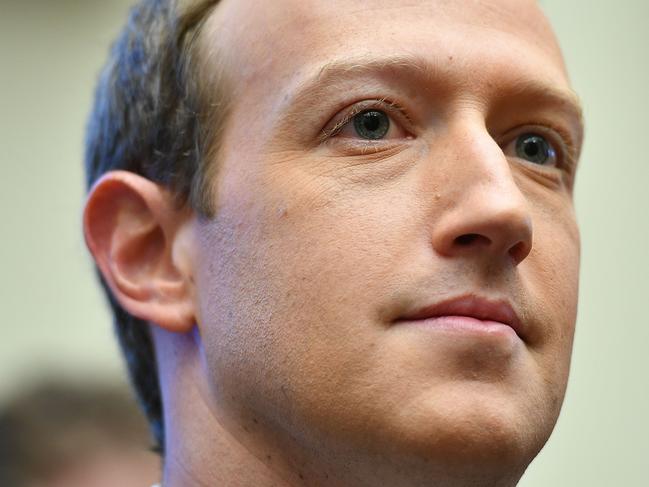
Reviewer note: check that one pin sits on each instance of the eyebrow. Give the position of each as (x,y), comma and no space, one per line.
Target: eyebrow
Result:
(349,68)
(327,76)
(566,98)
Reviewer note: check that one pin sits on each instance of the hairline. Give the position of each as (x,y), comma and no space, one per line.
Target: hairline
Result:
(213,92)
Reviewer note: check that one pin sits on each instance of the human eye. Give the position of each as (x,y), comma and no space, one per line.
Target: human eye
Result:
(535,148)
(371,124)
(368,122)
(541,146)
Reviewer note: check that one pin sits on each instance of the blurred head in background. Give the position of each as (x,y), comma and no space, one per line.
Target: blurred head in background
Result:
(64,434)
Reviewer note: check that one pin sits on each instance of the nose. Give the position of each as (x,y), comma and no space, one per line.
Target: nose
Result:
(486,213)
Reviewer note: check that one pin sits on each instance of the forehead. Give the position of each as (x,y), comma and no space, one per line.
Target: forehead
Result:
(262,36)
(272,51)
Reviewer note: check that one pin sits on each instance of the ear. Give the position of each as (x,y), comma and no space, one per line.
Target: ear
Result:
(139,241)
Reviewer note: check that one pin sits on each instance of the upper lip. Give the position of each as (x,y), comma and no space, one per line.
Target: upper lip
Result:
(472,306)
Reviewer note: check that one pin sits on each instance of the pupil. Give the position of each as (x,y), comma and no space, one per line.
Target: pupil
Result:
(534,148)
(371,124)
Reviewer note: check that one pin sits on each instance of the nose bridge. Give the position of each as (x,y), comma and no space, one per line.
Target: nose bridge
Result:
(486,212)
(481,156)
(481,169)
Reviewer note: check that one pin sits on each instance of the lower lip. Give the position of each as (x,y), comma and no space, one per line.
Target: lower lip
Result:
(464,325)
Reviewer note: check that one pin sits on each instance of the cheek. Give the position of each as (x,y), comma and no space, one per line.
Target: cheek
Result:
(294,272)
(341,240)
(551,277)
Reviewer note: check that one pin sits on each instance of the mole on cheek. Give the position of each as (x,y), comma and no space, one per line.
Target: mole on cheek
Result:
(282,211)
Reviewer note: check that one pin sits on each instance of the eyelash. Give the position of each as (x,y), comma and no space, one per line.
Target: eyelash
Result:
(559,137)
(566,146)
(390,107)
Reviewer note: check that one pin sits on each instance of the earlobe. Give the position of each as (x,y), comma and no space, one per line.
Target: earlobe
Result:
(133,231)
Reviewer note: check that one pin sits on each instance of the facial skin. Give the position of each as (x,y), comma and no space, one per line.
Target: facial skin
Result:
(323,241)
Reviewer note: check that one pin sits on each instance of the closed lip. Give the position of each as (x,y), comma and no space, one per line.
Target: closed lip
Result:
(471,306)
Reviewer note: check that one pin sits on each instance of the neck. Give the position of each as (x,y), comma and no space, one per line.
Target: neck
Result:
(203,446)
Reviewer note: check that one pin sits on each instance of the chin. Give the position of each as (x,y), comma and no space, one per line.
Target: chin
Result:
(482,438)
(472,427)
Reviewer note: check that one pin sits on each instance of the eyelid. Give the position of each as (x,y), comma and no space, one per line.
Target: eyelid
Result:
(566,152)
(390,107)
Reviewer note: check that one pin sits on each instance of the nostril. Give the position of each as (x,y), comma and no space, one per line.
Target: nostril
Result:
(519,251)
(469,239)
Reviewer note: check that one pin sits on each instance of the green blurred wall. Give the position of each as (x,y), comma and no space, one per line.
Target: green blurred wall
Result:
(53,317)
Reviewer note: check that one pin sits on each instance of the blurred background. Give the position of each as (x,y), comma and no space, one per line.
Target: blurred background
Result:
(54,321)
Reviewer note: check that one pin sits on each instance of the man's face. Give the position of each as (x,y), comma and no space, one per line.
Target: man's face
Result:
(388,171)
